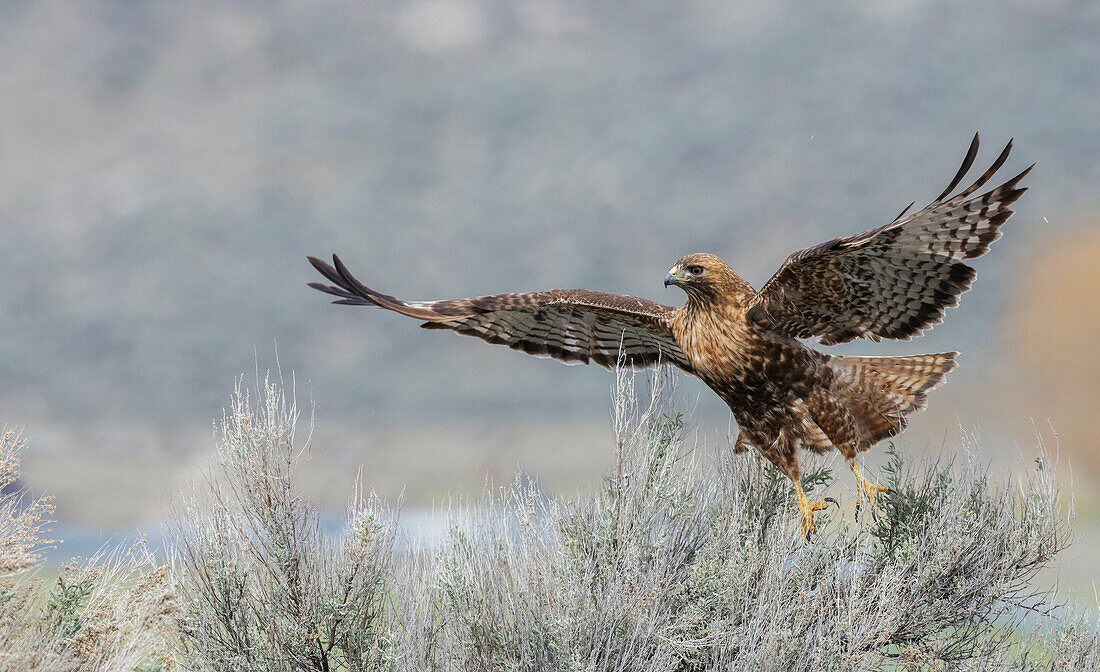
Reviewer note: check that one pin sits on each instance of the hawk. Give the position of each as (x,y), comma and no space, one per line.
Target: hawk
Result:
(890,282)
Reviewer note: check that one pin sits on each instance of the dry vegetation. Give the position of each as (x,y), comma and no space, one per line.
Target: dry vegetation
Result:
(263,587)
(110,612)
(680,561)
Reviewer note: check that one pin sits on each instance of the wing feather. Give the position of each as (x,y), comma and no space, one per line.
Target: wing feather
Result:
(571,325)
(896,280)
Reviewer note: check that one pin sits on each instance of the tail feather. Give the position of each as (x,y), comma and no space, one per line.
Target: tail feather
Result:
(882,391)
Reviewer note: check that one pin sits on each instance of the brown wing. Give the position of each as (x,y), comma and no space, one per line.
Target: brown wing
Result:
(573,325)
(893,281)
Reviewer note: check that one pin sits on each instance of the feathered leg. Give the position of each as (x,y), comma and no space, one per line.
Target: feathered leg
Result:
(849,434)
(782,454)
(740,445)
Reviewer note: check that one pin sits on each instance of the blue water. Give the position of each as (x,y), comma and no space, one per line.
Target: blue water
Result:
(421,528)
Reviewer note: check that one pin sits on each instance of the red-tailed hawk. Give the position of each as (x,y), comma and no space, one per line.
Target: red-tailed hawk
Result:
(890,282)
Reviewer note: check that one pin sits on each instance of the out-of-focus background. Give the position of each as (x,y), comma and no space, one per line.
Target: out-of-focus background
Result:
(166,167)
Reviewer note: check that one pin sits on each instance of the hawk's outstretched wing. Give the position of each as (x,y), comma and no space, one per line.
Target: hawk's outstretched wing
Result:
(573,325)
(893,281)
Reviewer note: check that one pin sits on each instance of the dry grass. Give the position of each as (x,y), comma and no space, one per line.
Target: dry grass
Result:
(21,523)
(111,612)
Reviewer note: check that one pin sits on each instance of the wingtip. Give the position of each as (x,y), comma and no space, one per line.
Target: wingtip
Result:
(902,213)
(968,162)
(1004,155)
(985,177)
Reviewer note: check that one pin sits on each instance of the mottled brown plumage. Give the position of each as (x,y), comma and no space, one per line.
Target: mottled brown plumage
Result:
(890,282)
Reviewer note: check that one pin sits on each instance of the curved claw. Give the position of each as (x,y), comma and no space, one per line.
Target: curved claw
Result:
(865,489)
(807,509)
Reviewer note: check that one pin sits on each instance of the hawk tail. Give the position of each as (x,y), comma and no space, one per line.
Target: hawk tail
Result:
(880,392)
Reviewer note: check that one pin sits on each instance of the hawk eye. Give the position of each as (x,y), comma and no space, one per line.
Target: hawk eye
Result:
(695,270)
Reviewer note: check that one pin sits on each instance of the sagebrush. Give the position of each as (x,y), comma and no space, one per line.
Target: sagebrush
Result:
(681,561)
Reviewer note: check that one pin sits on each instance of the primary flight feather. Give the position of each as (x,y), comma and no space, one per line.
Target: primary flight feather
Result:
(890,282)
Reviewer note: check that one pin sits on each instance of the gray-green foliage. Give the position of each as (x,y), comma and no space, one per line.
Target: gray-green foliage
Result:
(262,587)
(65,603)
(680,561)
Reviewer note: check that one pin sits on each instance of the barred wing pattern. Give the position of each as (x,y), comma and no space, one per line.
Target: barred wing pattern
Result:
(893,281)
(572,325)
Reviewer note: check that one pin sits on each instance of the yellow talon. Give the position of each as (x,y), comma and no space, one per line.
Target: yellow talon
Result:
(865,488)
(807,508)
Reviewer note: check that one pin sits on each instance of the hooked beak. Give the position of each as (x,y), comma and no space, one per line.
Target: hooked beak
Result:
(671,278)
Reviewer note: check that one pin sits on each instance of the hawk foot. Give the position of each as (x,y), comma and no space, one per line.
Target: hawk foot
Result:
(865,489)
(807,508)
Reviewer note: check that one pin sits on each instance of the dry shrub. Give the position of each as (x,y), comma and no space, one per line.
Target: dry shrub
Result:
(21,522)
(111,612)
(683,563)
(262,587)
(680,561)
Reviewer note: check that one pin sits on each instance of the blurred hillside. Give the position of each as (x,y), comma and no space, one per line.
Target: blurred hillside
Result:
(1057,310)
(165,168)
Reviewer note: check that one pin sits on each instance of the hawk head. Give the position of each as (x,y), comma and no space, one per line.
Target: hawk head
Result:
(696,272)
(704,275)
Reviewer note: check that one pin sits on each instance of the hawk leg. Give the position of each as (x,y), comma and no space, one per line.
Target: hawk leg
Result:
(781,454)
(865,488)
(740,445)
(807,508)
